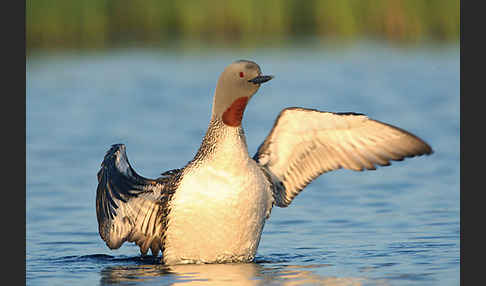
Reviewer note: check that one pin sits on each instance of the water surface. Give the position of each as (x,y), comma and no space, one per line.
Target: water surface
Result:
(398,225)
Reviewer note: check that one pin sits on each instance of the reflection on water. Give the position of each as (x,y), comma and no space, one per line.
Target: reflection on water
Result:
(116,274)
(247,274)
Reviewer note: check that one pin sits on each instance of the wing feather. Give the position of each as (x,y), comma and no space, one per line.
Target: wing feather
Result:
(130,207)
(305,143)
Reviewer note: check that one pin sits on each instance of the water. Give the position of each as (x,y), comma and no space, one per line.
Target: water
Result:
(398,225)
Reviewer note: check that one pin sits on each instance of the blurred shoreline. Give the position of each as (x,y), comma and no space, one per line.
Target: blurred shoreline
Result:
(102,24)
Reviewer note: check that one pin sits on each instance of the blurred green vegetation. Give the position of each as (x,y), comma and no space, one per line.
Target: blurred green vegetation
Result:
(105,23)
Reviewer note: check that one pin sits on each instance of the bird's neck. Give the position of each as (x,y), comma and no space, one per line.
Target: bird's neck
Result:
(233,115)
(223,145)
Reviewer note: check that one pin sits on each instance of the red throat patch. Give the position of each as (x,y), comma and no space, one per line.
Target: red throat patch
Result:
(234,114)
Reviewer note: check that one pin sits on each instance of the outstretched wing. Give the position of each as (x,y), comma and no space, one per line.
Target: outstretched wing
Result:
(130,207)
(305,143)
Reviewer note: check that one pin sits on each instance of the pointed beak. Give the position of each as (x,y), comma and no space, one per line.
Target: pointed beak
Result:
(261,79)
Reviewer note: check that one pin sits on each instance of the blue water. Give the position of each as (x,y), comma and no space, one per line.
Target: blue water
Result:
(398,225)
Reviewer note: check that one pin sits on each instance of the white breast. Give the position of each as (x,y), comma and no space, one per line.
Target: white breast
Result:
(217,214)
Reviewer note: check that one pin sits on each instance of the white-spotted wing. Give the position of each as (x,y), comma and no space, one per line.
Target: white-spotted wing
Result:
(130,207)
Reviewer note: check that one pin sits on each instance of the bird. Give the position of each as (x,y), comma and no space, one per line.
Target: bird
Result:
(213,209)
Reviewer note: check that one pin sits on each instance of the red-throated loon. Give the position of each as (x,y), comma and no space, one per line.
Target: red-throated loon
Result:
(213,210)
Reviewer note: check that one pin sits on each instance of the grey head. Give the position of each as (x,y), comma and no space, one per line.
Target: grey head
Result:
(236,85)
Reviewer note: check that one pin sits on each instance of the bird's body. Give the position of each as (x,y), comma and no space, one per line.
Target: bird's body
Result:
(220,207)
(213,210)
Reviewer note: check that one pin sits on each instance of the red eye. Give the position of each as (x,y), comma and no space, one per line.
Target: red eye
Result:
(241,74)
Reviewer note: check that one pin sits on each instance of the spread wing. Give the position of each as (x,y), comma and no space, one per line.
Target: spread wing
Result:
(130,207)
(305,143)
